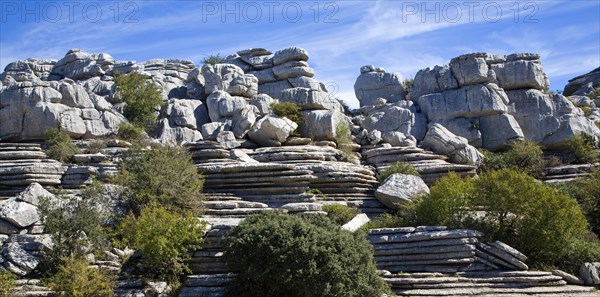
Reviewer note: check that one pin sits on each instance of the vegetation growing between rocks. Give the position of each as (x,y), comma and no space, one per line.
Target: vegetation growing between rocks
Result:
(7,281)
(340,214)
(587,194)
(398,167)
(75,225)
(61,146)
(164,175)
(130,132)
(75,279)
(584,149)
(164,239)
(526,156)
(288,110)
(213,59)
(282,255)
(594,93)
(142,98)
(343,139)
(512,207)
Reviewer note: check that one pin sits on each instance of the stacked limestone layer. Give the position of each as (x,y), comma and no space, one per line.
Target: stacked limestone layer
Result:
(211,285)
(436,249)
(431,167)
(488,283)
(568,173)
(24,163)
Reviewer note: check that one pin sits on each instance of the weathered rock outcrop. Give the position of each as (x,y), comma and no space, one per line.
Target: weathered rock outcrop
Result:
(584,84)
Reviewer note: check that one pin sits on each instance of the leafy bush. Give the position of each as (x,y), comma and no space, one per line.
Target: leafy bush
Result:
(61,147)
(587,111)
(386,220)
(343,139)
(282,255)
(95,146)
(130,132)
(164,239)
(141,96)
(594,94)
(165,175)
(213,59)
(407,85)
(75,224)
(289,110)
(511,207)
(398,167)
(7,281)
(587,194)
(584,149)
(524,155)
(75,279)
(340,214)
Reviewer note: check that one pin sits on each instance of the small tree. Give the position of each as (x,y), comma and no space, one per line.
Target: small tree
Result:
(141,96)
(164,175)
(75,279)
(343,138)
(164,239)
(61,146)
(584,149)
(75,223)
(283,255)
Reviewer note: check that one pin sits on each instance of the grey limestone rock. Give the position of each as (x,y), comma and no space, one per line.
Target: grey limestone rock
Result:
(398,189)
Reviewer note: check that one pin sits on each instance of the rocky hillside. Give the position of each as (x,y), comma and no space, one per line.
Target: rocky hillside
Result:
(254,160)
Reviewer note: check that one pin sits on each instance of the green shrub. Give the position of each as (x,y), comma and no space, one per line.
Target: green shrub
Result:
(61,147)
(213,59)
(398,167)
(75,224)
(283,255)
(407,84)
(343,139)
(95,146)
(130,132)
(386,220)
(340,214)
(594,93)
(165,175)
(164,239)
(587,111)
(75,279)
(584,149)
(289,110)
(7,281)
(512,207)
(526,156)
(141,96)
(587,194)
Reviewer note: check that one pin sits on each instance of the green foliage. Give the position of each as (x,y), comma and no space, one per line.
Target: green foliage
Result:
(75,279)
(340,214)
(289,110)
(213,59)
(398,167)
(343,139)
(164,175)
(386,220)
(95,146)
(7,281)
(141,96)
(587,194)
(61,147)
(75,224)
(512,207)
(318,193)
(594,94)
(282,255)
(407,84)
(584,149)
(130,132)
(164,239)
(587,111)
(525,156)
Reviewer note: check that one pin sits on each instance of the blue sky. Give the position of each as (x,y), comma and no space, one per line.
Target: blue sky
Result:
(340,36)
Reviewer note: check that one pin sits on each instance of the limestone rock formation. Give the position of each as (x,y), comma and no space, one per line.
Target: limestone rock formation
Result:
(399,189)
(458,150)
(374,83)
(582,85)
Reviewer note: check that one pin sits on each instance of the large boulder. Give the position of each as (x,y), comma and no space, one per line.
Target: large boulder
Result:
(470,102)
(33,193)
(397,117)
(583,84)
(21,261)
(458,150)
(19,213)
(77,64)
(399,189)
(433,80)
(229,78)
(271,131)
(590,273)
(471,69)
(521,74)
(309,99)
(187,113)
(222,105)
(374,83)
(321,124)
(499,131)
(290,54)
